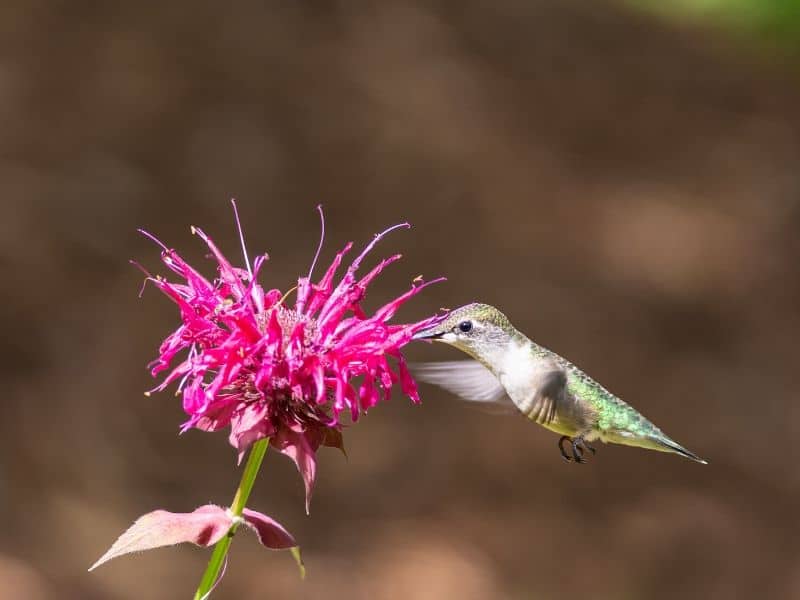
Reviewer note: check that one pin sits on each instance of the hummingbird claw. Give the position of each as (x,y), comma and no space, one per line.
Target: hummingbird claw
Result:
(577,452)
(578,446)
(564,454)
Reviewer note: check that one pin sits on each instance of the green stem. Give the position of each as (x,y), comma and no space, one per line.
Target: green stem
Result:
(217,559)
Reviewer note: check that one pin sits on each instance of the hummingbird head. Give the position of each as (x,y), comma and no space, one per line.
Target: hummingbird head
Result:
(480,330)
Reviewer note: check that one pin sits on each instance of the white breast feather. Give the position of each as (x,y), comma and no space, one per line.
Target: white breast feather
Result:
(517,375)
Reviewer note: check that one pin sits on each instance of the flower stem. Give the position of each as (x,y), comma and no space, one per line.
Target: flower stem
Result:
(217,560)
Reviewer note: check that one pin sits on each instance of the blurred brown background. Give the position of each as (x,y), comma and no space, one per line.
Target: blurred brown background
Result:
(625,187)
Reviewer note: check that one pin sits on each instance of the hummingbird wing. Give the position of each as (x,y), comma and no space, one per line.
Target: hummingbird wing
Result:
(538,385)
(550,396)
(468,379)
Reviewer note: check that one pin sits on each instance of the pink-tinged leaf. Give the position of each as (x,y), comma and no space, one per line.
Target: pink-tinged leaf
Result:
(204,526)
(270,533)
(333,439)
(297,447)
(248,425)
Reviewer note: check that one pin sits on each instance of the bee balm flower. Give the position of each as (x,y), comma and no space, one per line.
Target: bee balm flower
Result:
(252,363)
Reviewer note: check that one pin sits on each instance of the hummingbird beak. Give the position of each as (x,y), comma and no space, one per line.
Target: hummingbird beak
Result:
(428,334)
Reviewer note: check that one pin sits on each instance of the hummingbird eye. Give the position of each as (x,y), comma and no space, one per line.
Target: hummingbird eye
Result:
(465,326)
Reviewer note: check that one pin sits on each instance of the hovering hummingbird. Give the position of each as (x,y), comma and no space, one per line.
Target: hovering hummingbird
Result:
(511,369)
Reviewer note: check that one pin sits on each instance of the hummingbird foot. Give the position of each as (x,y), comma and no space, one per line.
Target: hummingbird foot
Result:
(578,446)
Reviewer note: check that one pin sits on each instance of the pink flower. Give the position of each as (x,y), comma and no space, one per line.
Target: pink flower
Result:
(251,362)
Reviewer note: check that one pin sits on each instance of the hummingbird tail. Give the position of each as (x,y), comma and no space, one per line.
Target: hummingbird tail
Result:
(654,439)
(667,445)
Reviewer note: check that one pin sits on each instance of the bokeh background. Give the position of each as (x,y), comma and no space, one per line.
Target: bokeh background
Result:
(622,181)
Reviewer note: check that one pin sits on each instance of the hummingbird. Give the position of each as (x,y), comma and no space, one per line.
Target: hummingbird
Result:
(509,369)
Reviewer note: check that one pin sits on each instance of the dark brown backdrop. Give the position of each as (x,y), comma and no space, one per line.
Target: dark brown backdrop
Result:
(626,192)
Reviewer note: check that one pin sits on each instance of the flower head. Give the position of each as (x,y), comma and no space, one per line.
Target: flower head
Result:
(265,369)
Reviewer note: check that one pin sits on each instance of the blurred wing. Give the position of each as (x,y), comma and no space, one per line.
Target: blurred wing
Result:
(468,379)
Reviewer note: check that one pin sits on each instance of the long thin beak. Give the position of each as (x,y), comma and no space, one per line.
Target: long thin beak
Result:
(428,334)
